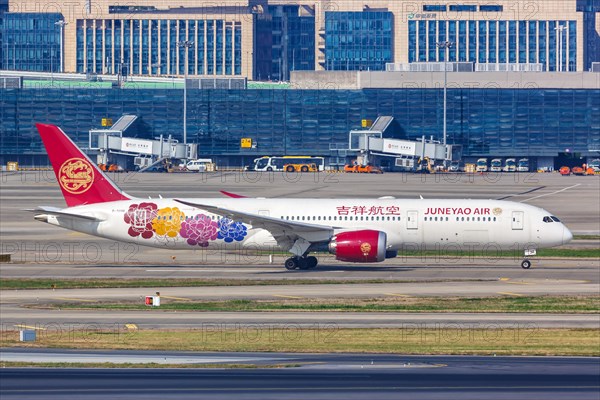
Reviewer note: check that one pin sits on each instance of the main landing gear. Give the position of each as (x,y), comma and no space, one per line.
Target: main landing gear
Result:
(526,264)
(301,263)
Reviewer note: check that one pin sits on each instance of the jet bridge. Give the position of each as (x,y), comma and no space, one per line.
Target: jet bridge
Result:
(111,147)
(397,154)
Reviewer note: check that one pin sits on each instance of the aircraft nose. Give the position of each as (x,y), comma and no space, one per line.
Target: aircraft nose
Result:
(567,235)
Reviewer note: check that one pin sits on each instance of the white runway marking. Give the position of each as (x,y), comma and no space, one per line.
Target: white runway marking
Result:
(549,194)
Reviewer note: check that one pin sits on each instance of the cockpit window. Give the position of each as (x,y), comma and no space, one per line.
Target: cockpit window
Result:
(554,218)
(548,219)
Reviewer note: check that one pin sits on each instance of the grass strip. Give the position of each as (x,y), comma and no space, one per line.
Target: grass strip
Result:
(586,237)
(525,339)
(491,253)
(500,304)
(76,283)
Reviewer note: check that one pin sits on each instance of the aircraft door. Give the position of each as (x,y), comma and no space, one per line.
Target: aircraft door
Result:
(412,220)
(517,220)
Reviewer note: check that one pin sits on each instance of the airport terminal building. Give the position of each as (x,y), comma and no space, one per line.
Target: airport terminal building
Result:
(267,39)
(519,73)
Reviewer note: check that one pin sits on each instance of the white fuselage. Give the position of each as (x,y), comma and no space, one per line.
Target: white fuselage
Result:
(413,224)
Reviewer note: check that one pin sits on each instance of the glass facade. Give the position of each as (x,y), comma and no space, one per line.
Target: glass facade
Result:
(285,42)
(3,9)
(143,47)
(31,41)
(490,41)
(590,10)
(358,40)
(486,122)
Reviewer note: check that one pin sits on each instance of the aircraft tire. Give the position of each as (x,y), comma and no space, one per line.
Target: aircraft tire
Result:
(526,264)
(291,263)
(312,262)
(303,263)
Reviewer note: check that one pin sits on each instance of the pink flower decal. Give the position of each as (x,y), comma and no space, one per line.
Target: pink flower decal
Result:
(140,217)
(199,230)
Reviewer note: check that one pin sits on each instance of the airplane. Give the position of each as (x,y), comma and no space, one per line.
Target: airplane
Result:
(354,230)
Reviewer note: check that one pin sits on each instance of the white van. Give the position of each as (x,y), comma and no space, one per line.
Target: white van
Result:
(199,165)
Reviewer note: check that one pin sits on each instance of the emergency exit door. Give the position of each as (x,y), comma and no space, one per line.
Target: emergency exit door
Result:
(412,220)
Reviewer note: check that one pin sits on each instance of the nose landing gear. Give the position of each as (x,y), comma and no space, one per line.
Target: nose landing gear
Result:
(526,264)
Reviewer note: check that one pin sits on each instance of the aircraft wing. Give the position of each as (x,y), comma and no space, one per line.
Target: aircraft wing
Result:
(60,213)
(288,234)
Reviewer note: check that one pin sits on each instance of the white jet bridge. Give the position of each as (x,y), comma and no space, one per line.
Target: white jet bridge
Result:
(370,144)
(111,147)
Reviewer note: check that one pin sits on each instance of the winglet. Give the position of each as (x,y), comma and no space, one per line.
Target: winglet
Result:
(233,195)
(80,180)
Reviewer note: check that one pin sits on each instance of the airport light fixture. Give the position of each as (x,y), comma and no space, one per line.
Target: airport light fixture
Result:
(61,24)
(445,46)
(186,44)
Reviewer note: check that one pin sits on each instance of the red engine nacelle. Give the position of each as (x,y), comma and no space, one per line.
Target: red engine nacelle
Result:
(359,246)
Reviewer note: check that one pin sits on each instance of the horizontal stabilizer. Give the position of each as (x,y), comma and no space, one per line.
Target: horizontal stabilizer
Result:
(60,213)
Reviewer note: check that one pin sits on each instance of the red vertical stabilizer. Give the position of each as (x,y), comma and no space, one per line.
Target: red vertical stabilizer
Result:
(80,180)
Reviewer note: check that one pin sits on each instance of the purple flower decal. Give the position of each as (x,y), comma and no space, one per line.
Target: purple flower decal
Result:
(139,217)
(230,230)
(199,230)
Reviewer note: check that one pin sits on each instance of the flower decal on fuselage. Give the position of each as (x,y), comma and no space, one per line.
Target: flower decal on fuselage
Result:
(230,230)
(139,217)
(168,222)
(199,230)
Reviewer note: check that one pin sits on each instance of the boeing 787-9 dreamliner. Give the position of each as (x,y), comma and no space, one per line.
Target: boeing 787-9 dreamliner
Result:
(353,229)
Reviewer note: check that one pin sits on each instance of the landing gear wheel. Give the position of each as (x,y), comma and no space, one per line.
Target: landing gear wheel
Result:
(311,261)
(526,264)
(291,263)
(303,264)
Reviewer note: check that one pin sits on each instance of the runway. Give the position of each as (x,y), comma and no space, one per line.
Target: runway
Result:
(315,376)
(67,320)
(150,263)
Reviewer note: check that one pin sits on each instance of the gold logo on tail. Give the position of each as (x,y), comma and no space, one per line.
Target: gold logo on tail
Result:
(76,175)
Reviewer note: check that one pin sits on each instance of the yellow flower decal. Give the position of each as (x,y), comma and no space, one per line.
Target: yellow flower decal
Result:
(168,221)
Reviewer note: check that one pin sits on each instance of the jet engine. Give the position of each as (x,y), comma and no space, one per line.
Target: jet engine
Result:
(359,246)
